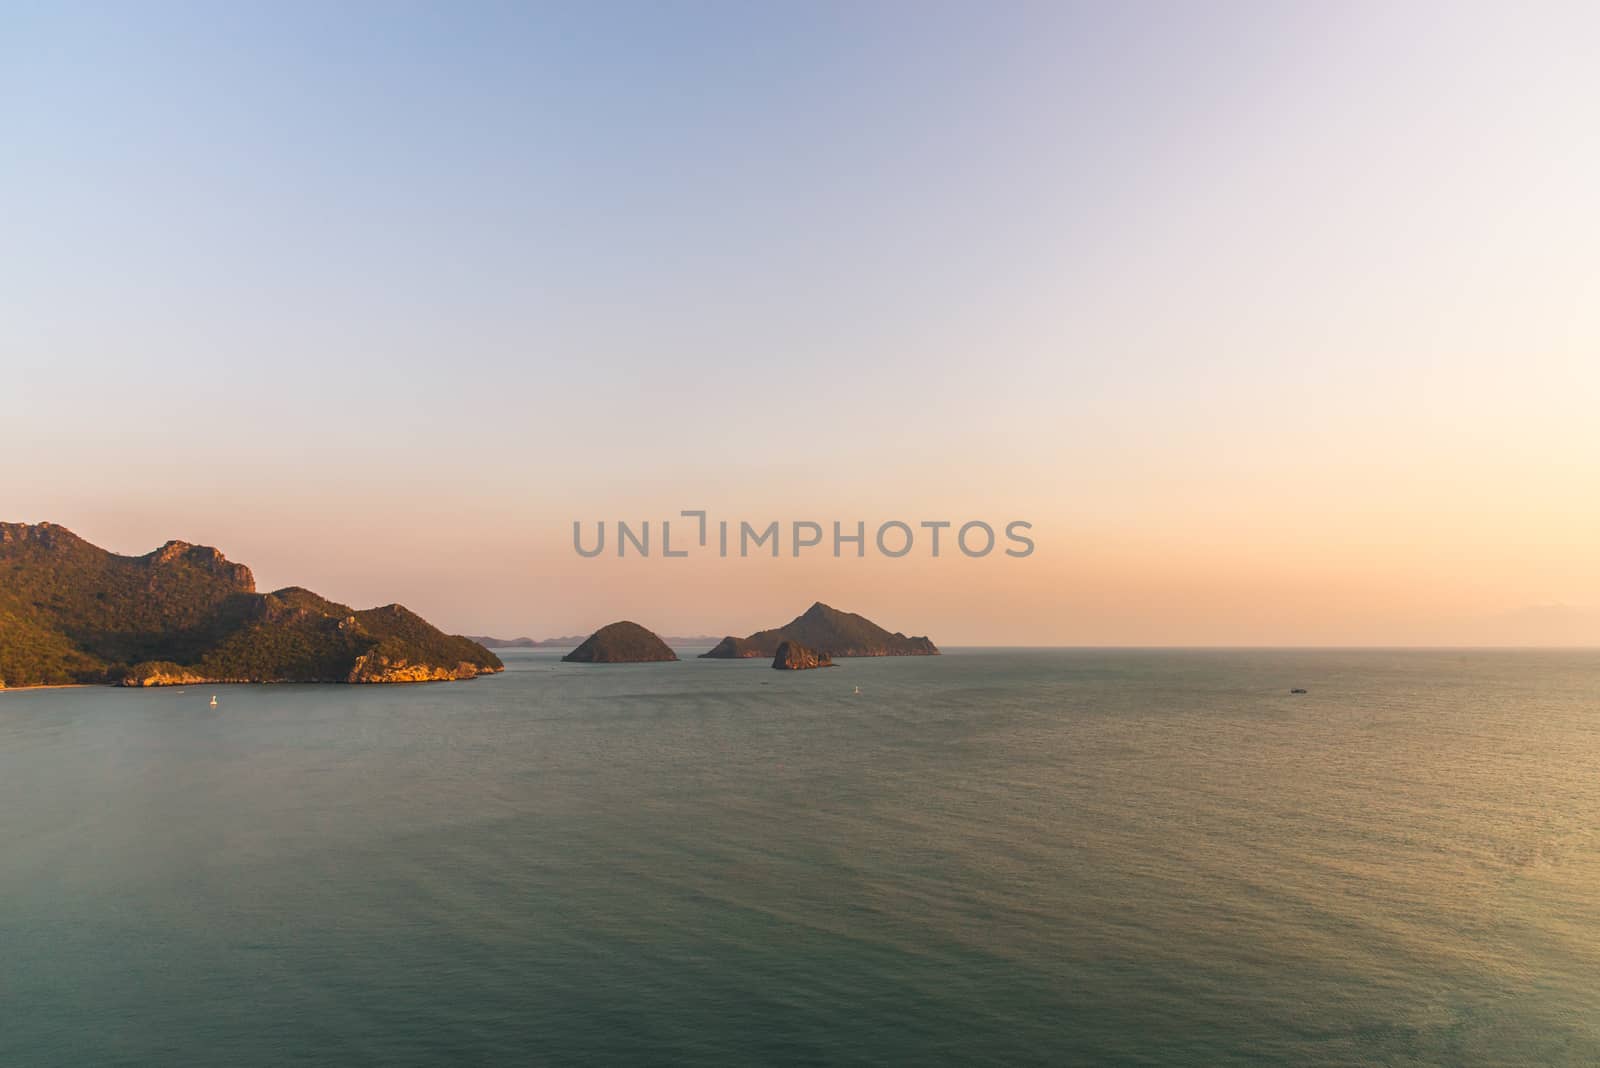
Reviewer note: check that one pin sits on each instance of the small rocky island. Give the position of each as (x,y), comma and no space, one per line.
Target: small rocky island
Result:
(71,612)
(792,656)
(828,631)
(623,642)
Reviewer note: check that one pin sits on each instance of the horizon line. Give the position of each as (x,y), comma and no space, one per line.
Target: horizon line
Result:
(1593,647)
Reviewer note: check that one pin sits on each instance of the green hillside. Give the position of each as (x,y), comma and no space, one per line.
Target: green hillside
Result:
(71,612)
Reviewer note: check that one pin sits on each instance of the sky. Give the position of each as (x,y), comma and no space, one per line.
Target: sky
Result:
(1280,323)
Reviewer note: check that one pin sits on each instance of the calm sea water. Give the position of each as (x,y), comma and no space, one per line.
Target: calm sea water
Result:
(1002,857)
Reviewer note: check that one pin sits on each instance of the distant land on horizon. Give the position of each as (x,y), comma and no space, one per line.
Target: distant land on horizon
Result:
(572,641)
(702,639)
(71,612)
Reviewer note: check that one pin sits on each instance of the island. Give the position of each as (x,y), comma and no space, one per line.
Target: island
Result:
(623,642)
(828,631)
(792,656)
(71,612)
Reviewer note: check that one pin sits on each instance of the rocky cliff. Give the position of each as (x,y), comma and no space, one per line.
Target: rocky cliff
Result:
(792,656)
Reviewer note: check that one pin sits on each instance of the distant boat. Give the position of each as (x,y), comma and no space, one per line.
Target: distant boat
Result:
(1297,690)
(213,700)
(858,691)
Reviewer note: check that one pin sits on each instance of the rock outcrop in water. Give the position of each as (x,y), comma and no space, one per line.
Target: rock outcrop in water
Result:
(828,631)
(623,642)
(792,656)
(184,615)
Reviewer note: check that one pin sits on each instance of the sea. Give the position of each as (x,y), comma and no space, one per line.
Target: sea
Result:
(1002,857)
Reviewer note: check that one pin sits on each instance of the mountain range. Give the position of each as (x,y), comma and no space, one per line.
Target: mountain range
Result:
(71,612)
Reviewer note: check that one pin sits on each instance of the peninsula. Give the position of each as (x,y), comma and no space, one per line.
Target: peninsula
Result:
(71,612)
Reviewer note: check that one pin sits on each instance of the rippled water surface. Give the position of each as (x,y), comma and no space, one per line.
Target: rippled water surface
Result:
(987,857)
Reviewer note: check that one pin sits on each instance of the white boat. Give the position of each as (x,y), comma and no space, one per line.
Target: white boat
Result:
(213,700)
